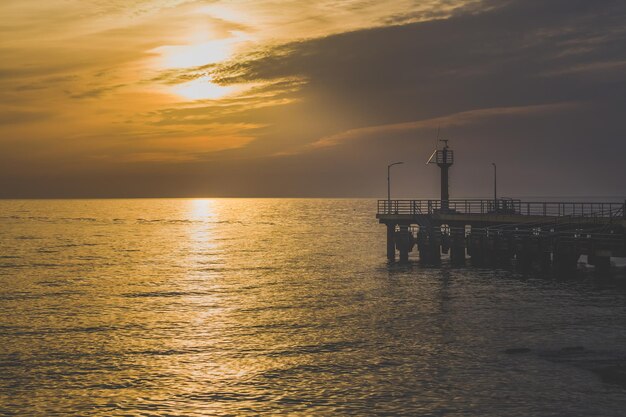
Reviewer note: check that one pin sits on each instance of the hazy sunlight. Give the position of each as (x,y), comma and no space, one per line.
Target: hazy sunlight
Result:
(203,89)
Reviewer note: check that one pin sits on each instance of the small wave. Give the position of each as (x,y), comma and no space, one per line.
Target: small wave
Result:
(13,363)
(237,269)
(225,396)
(212,269)
(45,250)
(74,330)
(47,265)
(36,218)
(11,265)
(228,222)
(76,245)
(168,352)
(167,221)
(320,348)
(304,368)
(281,326)
(19,296)
(268,308)
(114,386)
(152,294)
(52,283)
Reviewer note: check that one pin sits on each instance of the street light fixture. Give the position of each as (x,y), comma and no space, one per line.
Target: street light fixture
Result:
(389,184)
(495,186)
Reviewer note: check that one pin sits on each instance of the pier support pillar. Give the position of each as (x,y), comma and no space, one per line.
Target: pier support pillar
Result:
(436,253)
(602,264)
(492,251)
(457,255)
(545,261)
(429,245)
(600,258)
(489,251)
(445,240)
(502,252)
(565,263)
(404,242)
(430,254)
(524,259)
(477,249)
(457,247)
(391,244)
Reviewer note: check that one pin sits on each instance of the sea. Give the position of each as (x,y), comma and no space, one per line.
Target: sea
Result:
(248,307)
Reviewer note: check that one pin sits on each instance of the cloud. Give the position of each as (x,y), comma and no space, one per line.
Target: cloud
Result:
(512,55)
(452,120)
(96,92)
(601,68)
(19,117)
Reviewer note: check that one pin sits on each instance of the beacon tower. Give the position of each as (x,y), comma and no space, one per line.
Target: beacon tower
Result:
(444,158)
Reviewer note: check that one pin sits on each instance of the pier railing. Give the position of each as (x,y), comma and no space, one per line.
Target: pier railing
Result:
(503,206)
(613,239)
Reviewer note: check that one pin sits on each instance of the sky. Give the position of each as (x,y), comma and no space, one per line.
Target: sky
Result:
(271,98)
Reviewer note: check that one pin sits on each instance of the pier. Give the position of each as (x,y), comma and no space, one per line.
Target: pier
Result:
(497,232)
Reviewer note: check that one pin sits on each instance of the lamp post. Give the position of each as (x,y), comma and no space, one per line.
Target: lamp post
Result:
(495,186)
(389,185)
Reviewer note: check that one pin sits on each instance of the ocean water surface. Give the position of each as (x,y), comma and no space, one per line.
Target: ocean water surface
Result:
(236,307)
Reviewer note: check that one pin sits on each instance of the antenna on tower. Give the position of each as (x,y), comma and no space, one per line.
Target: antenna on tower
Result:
(430,160)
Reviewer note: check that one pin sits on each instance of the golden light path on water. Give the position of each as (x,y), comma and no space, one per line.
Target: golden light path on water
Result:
(276,307)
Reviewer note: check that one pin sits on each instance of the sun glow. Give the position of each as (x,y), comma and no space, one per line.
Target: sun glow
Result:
(189,56)
(198,52)
(203,89)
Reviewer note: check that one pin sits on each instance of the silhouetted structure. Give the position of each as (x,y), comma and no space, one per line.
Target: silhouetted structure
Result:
(551,235)
(444,158)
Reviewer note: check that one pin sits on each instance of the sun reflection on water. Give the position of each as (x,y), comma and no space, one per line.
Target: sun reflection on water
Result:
(201,209)
(202,251)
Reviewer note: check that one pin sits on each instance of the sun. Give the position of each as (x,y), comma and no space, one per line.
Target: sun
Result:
(190,56)
(203,88)
(198,51)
